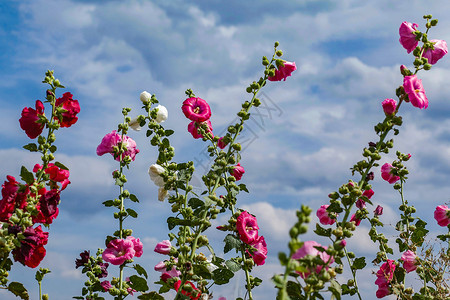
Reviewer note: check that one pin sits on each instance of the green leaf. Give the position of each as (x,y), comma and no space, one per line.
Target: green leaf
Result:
(61,166)
(335,289)
(202,271)
(168,132)
(19,290)
(140,270)
(322,231)
(359,263)
(53,149)
(108,203)
(166,142)
(32,147)
(222,276)
(26,175)
(231,242)
(195,203)
(134,198)
(232,265)
(79,297)
(243,187)
(151,296)
(132,213)
(294,290)
(418,235)
(138,283)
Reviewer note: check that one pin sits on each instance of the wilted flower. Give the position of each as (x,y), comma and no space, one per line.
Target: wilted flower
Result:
(162,194)
(378,211)
(384,277)
(135,124)
(80,262)
(106,285)
(193,128)
(194,294)
(31,251)
(355,219)
(260,254)
(439,50)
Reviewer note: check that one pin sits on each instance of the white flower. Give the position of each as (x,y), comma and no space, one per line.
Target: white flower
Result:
(155,172)
(162,114)
(145,97)
(134,124)
(162,194)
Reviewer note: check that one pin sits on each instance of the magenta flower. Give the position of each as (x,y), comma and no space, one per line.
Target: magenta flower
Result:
(196,109)
(384,277)
(106,285)
(247,227)
(308,248)
(193,129)
(324,216)
(118,251)
(259,256)
(409,261)
(438,51)
(407,37)
(416,93)
(386,174)
(163,247)
(237,171)
(378,211)
(360,203)
(221,144)
(71,107)
(284,71)
(112,140)
(356,220)
(170,274)
(29,120)
(137,245)
(389,106)
(442,215)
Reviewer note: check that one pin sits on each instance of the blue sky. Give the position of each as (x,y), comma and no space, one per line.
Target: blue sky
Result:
(107,52)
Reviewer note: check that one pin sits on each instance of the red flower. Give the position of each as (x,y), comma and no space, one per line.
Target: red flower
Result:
(196,109)
(71,107)
(56,174)
(31,251)
(30,118)
(194,295)
(11,196)
(283,71)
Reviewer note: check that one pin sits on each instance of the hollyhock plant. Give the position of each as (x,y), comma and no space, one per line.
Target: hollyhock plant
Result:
(386,174)
(409,261)
(118,251)
(137,245)
(193,129)
(112,140)
(438,51)
(389,106)
(162,114)
(247,228)
(407,36)
(384,278)
(163,247)
(283,71)
(71,109)
(56,174)
(442,215)
(31,251)
(29,120)
(324,216)
(48,205)
(259,256)
(135,124)
(196,109)
(155,172)
(237,171)
(415,91)
(8,202)
(308,248)
(145,97)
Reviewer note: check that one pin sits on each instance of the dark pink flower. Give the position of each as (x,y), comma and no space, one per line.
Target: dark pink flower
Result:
(112,140)
(48,205)
(56,174)
(416,93)
(30,118)
(193,129)
(194,295)
(80,262)
(378,211)
(8,202)
(409,261)
(259,256)
(324,216)
(356,220)
(439,51)
(31,251)
(384,278)
(383,291)
(71,107)
(442,215)
(196,109)
(360,203)
(118,251)
(237,171)
(284,71)
(106,285)
(221,144)
(407,37)
(163,247)
(137,245)
(247,227)
(389,106)
(386,174)
(308,248)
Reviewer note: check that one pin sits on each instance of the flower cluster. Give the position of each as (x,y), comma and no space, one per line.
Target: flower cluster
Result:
(247,227)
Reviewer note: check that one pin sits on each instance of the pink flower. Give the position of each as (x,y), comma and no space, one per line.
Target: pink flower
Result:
(193,129)
(360,203)
(71,107)
(163,247)
(378,211)
(442,215)
(389,106)
(137,245)
(384,277)
(407,37)
(438,51)
(308,248)
(56,174)
(247,227)
(112,140)
(196,109)
(416,93)
(237,171)
(30,118)
(383,291)
(221,144)
(354,219)
(118,251)
(260,255)
(284,71)
(386,174)
(106,285)
(324,216)
(409,261)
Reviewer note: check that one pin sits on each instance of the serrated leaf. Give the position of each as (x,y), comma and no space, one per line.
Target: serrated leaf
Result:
(26,175)
(108,203)
(140,270)
(132,213)
(19,290)
(134,198)
(231,242)
(222,276)
(138,283)
(32,147)
(151,296)
(61,166)
(243,187)
(232,265)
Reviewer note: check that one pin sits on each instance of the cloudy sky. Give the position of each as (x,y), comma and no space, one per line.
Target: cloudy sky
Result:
(299,145)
